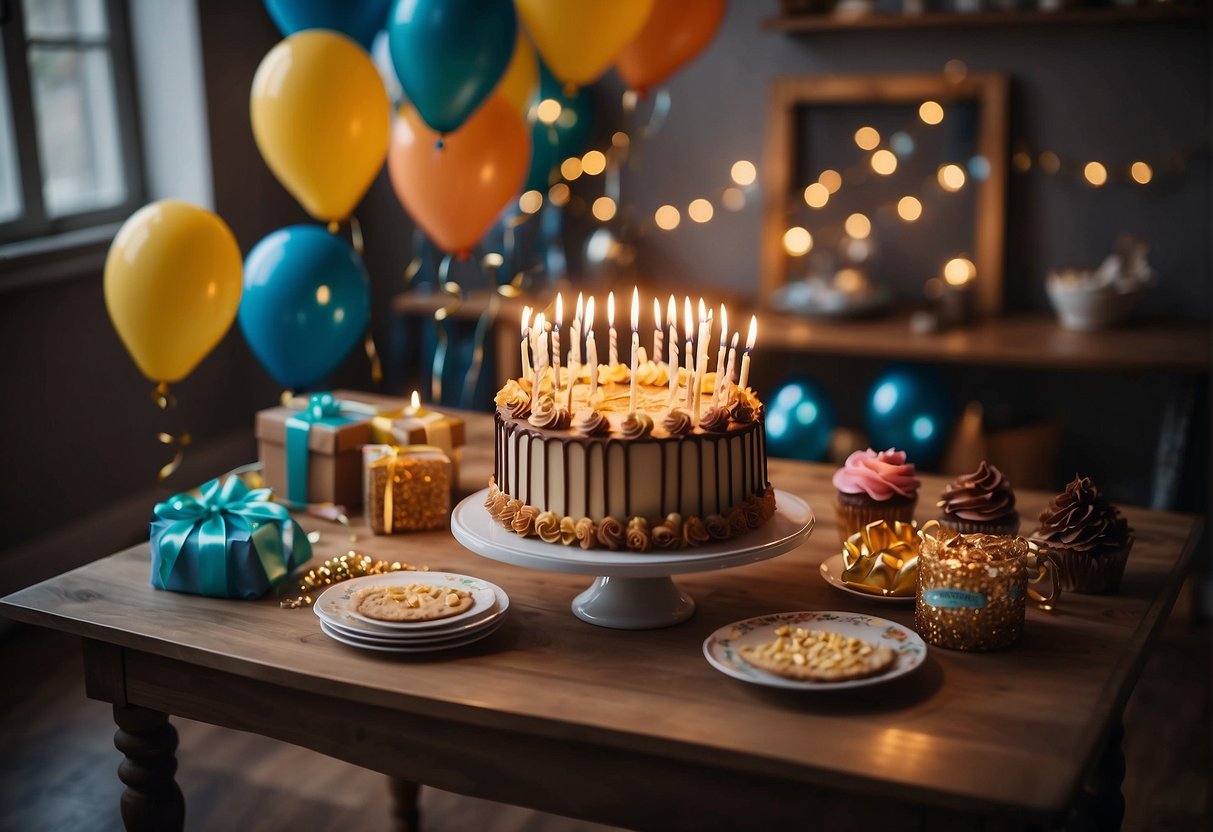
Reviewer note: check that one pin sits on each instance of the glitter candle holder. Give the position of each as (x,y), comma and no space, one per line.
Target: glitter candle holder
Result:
(407,488)
(973,588)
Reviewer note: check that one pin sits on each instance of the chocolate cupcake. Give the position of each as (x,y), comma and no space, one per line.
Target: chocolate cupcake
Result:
(1089,538)
(979,503)
(874,486)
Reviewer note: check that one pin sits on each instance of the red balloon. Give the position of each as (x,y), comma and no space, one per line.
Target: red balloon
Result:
(455,186)
(676,31)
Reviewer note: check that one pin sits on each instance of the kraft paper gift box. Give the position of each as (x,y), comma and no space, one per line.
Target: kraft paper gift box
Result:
(312,452)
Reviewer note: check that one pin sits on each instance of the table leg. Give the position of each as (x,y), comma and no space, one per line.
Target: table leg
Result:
(1101,805)
(152,800)
(404,804)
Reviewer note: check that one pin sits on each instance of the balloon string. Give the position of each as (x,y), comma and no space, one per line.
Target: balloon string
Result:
(180,442)
(356,234)
(372,354)
(163,397)
(491,263)
(451,288)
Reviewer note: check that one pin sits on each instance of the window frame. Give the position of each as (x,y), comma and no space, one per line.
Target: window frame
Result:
(34,224)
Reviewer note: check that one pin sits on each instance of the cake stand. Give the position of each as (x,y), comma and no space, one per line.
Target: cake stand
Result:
(633,590)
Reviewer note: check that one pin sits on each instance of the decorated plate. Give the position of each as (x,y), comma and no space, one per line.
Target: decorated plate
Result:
(831,571)
(721,647)
(415,636)
(337,605)
(409,647)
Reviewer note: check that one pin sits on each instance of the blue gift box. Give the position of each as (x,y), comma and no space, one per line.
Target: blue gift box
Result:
(230,541)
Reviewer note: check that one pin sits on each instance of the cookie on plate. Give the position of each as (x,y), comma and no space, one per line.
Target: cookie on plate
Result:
(412,602)
(818,656)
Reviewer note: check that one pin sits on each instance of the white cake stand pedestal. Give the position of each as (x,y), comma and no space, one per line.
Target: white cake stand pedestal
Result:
(633,590)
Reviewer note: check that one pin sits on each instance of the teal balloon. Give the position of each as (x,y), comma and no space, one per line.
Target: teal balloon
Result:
(359,19)
(551,144)
(450,54)
(909,408)
(306,303)
(800,419)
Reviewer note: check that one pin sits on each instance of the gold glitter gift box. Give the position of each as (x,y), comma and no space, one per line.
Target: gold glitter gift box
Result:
(407,488)
(973,588)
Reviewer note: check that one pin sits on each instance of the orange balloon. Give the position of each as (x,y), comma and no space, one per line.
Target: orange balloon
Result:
(676,31)
(456,191)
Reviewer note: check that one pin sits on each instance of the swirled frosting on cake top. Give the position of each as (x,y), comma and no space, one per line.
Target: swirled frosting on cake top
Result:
(983,496)
(1082,519)
(881,475)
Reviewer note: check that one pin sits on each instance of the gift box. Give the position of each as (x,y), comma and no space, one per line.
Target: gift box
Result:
(407,488)
(311,451)
(397,422)
(226,540)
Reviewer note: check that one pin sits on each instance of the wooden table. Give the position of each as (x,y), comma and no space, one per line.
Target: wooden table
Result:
(632,728)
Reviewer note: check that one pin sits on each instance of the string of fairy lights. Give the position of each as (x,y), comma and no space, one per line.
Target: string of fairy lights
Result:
(882,157)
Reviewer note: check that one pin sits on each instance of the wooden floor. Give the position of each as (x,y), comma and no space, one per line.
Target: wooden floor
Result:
(58,764)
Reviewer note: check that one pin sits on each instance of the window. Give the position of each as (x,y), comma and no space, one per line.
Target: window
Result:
(68,135)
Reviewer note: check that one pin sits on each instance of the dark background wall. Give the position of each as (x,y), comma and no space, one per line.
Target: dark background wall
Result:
(79,429)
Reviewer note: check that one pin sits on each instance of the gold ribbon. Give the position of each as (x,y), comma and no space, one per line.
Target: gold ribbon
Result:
(882,558)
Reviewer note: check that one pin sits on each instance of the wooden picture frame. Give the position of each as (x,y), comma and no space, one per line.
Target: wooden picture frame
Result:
(988,90)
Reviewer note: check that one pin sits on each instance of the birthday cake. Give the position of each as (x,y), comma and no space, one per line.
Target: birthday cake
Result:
(629,460)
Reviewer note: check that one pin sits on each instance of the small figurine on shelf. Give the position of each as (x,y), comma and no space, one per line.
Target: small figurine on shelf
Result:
(1091,299)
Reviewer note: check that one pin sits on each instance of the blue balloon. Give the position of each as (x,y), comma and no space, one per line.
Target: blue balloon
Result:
(359,19)
(306,303)
(551,144)
(909,408)
(800,419)
(450,54)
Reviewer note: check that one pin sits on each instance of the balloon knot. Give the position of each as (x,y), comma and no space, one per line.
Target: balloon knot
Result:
(334,226)
(441,143)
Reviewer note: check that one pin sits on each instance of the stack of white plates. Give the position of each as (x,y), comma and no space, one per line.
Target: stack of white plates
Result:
(340,619)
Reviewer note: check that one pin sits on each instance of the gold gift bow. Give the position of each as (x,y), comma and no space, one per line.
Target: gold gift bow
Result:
(883,560)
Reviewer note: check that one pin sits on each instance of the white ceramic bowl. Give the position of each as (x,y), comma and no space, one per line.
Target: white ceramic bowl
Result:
(1087,308)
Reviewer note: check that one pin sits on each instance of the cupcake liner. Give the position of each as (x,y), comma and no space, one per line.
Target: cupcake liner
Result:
(1088,573)
(852,519)
(1008,527)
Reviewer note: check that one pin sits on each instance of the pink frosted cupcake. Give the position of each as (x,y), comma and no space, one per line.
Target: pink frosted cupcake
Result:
(979,503)
(1087,535)
(874,486)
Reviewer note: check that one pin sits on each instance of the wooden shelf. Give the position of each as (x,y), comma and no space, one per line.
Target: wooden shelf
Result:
(1033,341)
(1155,13)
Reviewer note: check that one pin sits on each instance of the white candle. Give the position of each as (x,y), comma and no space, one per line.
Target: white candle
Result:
(541,367)
(556,346)
(689,357)
(745,359)
(658,335)
(574,368)
(635,349)
(526,342)
(728,371)
(720,354)
(612,340)
(673,365)
(701,359)
(591,350)
(576,333)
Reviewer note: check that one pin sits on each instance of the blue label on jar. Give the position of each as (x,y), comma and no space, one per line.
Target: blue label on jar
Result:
(953,598)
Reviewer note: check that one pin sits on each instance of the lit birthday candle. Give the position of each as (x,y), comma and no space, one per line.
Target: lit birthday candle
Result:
(526,342)
(749,347)
(658,335)
(556,346)
(635,349)
(728,371)
(541,357)
(612,340)
(701,359)
(591,348)
(575,347)
(721,354)
(671,317)
(689,333)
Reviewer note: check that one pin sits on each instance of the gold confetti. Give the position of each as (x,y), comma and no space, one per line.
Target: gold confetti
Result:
(342,568)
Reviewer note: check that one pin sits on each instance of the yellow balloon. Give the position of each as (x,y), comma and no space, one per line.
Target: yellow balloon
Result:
(321,119)
(580,40)
(521,79)
(172,286)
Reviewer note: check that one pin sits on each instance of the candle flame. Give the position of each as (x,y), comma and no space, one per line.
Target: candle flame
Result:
(559,310)
(703,310)
(580,306)
(635,309)
(541,323)
(415,401)
(736,335)
(671,313)
(589,316)
(753,336)
(611,309)
(526,320)
(724,325)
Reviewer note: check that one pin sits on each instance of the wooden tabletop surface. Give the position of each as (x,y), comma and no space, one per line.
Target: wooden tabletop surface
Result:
(1011,730)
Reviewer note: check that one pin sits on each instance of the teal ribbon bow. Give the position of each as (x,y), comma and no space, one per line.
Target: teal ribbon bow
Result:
(214,514)
(322,409)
